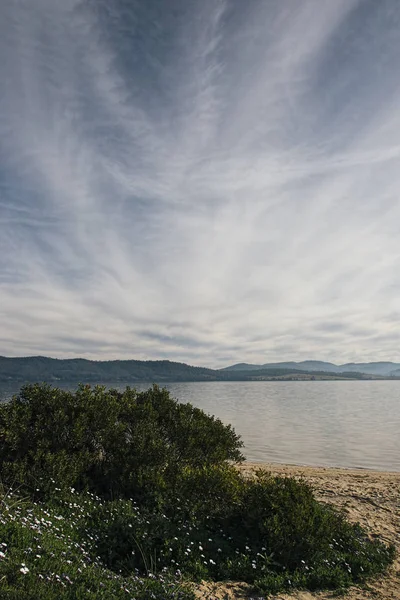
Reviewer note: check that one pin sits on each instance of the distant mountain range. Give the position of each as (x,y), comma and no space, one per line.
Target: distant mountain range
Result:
(383,369)
(41,368)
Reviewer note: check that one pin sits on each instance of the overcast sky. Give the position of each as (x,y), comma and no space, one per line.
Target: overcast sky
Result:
(209,181)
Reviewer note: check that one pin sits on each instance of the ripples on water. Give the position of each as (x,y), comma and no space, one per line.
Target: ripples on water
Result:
(327,423)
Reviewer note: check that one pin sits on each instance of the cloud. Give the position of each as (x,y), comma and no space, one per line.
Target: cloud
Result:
(208,182)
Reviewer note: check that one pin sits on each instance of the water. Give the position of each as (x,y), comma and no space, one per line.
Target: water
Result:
(322,423)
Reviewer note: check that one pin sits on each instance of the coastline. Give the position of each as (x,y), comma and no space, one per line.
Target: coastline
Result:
(249,466)
(371,498)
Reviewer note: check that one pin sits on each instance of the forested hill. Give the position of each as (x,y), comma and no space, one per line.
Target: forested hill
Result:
(41,368)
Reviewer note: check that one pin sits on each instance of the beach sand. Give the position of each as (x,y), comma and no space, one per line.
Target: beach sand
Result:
(371,498)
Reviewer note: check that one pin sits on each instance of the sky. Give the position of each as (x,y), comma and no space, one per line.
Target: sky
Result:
(204,181)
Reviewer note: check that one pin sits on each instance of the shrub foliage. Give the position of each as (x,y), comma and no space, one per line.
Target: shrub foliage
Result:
(113,443)
(136,492)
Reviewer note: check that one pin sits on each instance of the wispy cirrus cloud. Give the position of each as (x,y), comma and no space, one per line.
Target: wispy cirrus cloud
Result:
(207,182)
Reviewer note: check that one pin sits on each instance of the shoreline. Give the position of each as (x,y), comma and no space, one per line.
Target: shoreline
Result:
(267,465)
(369,497)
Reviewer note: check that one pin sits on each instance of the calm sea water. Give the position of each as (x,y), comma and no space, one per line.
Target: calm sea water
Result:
(327,423)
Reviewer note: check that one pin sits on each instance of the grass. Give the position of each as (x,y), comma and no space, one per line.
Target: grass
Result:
(49,552)
(79,546)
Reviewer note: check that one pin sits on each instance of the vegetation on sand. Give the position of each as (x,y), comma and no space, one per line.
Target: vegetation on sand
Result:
(111,494)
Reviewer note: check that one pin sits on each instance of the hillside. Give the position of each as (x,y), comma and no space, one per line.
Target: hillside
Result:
(41,368)
(381,369)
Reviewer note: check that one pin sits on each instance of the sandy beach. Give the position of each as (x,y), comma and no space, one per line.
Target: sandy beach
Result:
(371,498)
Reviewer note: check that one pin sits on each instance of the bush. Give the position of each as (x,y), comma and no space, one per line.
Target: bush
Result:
(116,444)
(137,492)
(270,532)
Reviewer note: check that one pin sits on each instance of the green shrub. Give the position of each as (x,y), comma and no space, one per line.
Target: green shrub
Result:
(270,532)
(116,444)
